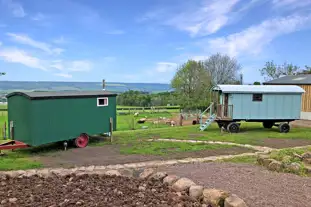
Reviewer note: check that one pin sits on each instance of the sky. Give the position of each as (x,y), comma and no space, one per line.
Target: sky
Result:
(145,41)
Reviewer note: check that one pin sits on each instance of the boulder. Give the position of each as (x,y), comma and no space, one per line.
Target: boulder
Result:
(170,179)
(308,169)
(158,175)
(234,201)
(113,173)
(275,166)
(196,191)
(306,155)
(266,162)
(261,158)
(182,184)
(294,167)
(214,197)
(146,173)
(307,161)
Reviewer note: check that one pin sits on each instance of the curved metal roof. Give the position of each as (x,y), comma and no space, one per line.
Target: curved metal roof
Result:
(259,89)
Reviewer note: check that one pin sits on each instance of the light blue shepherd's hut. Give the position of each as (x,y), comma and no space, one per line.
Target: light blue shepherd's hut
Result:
(269,104)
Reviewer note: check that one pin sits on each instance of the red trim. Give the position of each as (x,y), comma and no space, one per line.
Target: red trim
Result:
(13,145)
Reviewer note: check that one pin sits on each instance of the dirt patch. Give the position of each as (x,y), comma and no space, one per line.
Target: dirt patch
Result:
(110,154)
(254,184)
(89,190)
(283,143)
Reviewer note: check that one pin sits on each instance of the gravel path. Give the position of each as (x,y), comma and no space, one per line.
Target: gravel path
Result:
(89,190)
(256,185)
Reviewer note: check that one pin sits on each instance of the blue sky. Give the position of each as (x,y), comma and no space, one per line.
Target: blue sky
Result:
(144,41)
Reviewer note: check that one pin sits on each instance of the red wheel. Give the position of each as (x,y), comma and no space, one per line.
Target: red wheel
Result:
(82,141)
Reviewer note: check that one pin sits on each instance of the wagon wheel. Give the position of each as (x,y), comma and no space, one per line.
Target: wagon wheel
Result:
(82,141)
(284,127)
(233,127)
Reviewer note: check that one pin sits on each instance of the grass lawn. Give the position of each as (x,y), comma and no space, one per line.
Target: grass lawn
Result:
(127,122)
(17,161)
(251,133)
(163,148)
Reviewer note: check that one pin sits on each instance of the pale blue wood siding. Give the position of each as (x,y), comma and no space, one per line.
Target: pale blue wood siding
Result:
(273,106)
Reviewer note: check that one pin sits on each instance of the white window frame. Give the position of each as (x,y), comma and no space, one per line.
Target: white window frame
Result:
(102,98)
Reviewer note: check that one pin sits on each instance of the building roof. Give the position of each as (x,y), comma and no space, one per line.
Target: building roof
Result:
(292,79)
(259,89)
(60,94)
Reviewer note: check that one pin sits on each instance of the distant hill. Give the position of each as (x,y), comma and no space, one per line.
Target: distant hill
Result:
(8,86)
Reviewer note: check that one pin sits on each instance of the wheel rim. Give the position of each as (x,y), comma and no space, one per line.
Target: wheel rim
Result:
(285,128)
(233,128)
(82,141)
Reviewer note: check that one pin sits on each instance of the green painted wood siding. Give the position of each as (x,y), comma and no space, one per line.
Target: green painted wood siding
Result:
(19,110)
(272,106)
(52,120)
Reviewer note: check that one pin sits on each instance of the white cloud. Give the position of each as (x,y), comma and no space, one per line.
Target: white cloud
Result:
(290,4)
(15,7)
(163,67)
(80,66)
(58,64)
(115,32)
(64,75)
(20,56)
(38,17)
(24,39)
(60,40)
(253,39)
(198,20)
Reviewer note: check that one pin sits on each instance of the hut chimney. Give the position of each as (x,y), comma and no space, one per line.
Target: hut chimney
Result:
(104,84)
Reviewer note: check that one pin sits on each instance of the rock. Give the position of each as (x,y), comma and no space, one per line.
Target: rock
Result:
(170,179)
(307,161)
(266,162)
(44,173)
(158,176)
(3,201)
(127,173)
(12,200)
(141,188)
(90,168)
(214,197)
(306,155)
(294,167)
(234,201)
(3,183)
(146,173)
(196,191)
(308,169)
(113,173)
(182,184)
(275,166)
(261,158)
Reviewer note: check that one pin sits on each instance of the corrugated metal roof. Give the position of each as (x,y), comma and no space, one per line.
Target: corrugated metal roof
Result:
(292,79)
(260,89)
(60,94)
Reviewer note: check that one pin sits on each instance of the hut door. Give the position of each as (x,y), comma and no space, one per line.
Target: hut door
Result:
(226,105)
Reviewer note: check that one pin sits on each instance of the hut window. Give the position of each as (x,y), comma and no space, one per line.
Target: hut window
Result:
(102,101)
(257,97)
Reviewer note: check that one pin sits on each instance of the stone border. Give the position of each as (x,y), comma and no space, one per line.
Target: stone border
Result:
(208,197)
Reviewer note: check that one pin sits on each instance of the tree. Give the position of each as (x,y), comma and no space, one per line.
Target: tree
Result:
(256,83)
(192,83)
(272,71)
(223,69)
(2,73)
(307,70)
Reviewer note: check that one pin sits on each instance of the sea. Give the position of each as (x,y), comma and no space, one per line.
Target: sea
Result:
(117,87)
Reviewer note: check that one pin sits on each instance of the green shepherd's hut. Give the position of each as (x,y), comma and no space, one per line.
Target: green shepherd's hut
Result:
(37,118)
